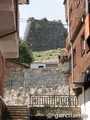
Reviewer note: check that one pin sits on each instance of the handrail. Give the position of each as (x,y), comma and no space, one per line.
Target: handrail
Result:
(53,100)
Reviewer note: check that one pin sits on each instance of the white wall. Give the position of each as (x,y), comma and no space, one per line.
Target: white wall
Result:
(36,65)
(84,101)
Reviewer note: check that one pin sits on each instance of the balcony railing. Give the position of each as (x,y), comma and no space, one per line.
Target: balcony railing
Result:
(53,101)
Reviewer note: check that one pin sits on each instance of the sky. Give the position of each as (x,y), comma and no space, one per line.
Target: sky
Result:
(50,9)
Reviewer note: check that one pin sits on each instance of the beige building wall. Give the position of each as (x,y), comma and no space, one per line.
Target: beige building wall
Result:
(9,37)
(84,101)
(9,28)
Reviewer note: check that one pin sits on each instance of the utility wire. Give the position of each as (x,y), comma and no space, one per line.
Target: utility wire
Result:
(23,19)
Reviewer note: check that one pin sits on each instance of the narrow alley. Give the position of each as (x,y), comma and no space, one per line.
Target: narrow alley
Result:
(45,60)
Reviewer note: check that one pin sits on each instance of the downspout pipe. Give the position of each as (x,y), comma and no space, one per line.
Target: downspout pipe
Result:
(69,40)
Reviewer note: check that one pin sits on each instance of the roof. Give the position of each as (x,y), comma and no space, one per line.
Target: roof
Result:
(46,63)
(22,64)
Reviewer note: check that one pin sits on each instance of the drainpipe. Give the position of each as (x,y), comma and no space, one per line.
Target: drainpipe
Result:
(72,61)
(83,89)
(69,40)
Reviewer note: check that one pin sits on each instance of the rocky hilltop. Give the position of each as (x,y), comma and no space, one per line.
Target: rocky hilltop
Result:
(42,35)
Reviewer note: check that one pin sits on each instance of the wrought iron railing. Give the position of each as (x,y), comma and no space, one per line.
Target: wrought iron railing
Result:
(53,101)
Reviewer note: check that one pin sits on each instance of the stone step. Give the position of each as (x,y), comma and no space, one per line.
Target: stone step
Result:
(16,113)
(17,106)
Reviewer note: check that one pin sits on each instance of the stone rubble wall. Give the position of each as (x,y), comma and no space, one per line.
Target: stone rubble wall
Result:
(40,81)
(51,76)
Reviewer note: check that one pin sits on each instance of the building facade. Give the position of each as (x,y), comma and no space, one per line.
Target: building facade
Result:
(9,37)
(77,14)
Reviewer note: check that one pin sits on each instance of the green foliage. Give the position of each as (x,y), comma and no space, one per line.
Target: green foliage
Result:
(46,108)
(25,54)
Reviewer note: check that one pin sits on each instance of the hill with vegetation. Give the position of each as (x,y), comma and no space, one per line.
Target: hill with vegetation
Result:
(47,56)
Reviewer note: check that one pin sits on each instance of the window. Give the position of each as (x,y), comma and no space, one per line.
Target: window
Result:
(88,44)
(41,66)
(82,44)
(87,78)
(87,6)
(74,57)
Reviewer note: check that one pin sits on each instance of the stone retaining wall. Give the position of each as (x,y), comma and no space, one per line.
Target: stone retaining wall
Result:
(40,81)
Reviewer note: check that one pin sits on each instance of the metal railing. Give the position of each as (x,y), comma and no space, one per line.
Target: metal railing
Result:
(53,101)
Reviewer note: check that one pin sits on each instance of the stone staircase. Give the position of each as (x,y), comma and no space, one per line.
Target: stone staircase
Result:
(16,113)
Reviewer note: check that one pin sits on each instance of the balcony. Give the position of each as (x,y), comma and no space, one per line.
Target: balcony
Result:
(67,43)
(9,28)
(7,21)
(23,1)
(9,46)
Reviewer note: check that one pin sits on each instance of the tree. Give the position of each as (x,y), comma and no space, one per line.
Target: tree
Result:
(25,54)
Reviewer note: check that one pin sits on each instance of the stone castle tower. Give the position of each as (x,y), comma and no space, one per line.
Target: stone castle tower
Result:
(41,35)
